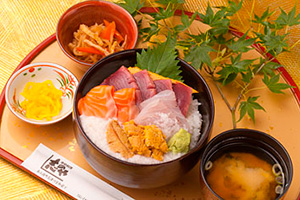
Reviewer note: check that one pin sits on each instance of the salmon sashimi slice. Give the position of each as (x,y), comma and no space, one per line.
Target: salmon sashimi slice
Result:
(99,102)
(126,106)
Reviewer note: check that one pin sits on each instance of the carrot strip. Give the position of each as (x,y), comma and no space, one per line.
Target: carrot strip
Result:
(106,23)
(108,31)
(117,35)
(89,50)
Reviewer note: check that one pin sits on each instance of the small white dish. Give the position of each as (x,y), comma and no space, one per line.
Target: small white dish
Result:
(62,79)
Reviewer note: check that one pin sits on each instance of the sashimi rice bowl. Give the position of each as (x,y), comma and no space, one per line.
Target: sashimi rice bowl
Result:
(138,128)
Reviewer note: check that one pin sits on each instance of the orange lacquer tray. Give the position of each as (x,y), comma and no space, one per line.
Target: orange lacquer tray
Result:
(18,139)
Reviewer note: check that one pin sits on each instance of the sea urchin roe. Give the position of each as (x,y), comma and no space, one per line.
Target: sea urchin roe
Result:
(133,139)
(146,140)
(42,100)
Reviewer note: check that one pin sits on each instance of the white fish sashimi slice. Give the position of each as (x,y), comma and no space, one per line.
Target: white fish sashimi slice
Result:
(168,97)
(162,110)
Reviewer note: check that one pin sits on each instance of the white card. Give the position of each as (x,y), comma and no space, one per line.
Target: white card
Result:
(68,177)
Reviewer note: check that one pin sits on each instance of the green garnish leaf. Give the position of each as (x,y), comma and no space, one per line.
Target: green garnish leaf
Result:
(275,44)
(148,32)
(186,22)
(161,60)
(219,21)
(227,75)
(229,72)
(248,107)
(273,83)
(288,19)
(242,44)
(132,6)
(268,67)
(263,18)
(163,13)
(238,64)
(199,55)
(233,7)
(166,2)
(247,76)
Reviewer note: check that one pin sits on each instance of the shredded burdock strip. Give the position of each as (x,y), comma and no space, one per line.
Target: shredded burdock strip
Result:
(93,35)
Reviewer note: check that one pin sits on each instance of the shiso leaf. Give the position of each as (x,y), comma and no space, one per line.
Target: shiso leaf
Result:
(161,60)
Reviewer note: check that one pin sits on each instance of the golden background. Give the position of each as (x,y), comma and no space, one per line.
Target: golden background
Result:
(25,24)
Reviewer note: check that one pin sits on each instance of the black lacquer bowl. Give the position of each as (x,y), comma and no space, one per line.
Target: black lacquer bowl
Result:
(141,175)
(251,141)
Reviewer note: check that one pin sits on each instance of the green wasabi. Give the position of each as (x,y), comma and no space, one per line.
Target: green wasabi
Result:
(180,142)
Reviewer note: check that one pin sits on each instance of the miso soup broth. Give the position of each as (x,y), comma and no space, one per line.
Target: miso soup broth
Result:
(242,175)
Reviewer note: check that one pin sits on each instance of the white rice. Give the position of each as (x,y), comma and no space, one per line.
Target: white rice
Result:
(95,128)
(194,119)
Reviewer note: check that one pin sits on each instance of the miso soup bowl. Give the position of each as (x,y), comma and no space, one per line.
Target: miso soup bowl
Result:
(251,141)
(141,175)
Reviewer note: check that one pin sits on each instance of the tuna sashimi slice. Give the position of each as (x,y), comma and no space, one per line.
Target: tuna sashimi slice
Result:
(98,102)
(145,84)
(163,84)
(183,96)
(125,102)
(122,78)
(162,110)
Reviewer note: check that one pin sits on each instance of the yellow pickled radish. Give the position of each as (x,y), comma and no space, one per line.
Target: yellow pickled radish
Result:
(42,100)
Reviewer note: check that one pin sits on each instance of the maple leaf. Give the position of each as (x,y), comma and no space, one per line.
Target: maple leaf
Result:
(240,65)
(273,83)
(132,6)
(199,55)
(186,21)
(227,75)
(288,19)
(247,76)
(219,21)
(248,107)
(263,18)
(242,44)
(163,13)
(166,2)
(268,67)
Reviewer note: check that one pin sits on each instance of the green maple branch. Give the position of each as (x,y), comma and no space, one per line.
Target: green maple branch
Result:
(227,66)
